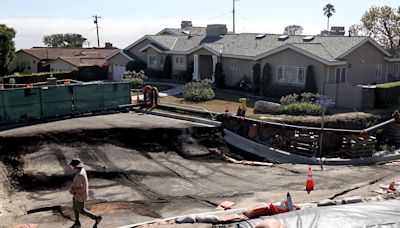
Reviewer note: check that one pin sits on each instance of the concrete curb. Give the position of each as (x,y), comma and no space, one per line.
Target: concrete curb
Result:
(186,118)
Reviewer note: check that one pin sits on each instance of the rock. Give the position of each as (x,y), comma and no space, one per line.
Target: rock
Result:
(326,202)
(267,107)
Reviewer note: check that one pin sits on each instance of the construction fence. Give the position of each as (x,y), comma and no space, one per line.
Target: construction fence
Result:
(52,101)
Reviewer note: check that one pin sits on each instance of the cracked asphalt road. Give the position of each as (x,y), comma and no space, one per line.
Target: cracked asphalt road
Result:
(143,167)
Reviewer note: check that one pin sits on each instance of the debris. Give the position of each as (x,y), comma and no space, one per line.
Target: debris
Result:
(207,219)
(326,202)
(232,160)
(354,199)
(186,219)
(225,205)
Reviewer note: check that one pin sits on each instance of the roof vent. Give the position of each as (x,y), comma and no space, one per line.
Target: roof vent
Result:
(283,37)
(260,36)
(308,38)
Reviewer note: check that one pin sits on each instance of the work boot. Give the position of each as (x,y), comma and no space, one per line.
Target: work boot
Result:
(98,220)
(76,225)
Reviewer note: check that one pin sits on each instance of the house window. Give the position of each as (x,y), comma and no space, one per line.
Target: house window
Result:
(290,74)
(340,75)
(179,61)
(234,64)
(378,71)
(152,60)
(161,60)
(396,72)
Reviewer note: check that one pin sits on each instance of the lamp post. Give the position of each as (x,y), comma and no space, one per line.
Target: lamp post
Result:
(325,102)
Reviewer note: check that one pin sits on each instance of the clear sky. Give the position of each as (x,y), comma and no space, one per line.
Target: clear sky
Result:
(125,21)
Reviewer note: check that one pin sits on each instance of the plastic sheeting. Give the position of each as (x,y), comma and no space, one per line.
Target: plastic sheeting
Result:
(370,214)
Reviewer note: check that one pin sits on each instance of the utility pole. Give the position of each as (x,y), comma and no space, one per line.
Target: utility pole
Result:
(233,11)
(97,28)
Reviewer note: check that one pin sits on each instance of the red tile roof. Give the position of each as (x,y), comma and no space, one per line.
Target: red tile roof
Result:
(47,53)
(82,60)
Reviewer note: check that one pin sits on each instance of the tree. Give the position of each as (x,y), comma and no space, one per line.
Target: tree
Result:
(293,30)
(310,80)
(383,25)
(219,75)
(167,73)
(136,65)
(265,79)
(7,48)
(329,9)
(68,40)
(256,78)
(356,30)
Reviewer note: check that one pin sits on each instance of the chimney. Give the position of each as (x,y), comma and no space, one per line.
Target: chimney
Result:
(109,45)
(185,24)
(216,30)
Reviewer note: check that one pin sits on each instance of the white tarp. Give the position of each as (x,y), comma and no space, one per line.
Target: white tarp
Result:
(369,214)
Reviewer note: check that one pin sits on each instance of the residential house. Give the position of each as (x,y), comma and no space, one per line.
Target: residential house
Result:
(340,62)
(38,59)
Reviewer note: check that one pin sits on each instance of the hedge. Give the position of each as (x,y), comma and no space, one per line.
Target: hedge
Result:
(84,73)
(277,91)
(387,95)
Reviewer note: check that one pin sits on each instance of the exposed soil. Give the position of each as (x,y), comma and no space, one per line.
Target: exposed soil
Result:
(146,172)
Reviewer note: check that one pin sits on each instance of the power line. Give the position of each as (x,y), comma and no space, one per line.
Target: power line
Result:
(97,28)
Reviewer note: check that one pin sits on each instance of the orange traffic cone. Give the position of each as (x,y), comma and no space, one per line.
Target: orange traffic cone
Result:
(392,187)
(310,181)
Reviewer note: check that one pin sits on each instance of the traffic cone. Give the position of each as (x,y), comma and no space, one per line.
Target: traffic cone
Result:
(392,187)
(226,109)
(289,202)
(310,181)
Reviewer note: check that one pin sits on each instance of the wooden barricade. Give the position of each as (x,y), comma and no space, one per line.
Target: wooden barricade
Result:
(305,143)
(357,147)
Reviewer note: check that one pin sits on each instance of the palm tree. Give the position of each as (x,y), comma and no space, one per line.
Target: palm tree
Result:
(329,9)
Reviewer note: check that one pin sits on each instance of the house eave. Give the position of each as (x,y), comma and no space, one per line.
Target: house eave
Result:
(392,59)
(367,39)
(116,53)
(150,46)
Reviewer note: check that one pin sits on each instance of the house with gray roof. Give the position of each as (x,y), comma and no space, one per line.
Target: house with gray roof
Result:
(338,61)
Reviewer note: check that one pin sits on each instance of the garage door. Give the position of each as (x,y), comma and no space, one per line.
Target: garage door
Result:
(118,72)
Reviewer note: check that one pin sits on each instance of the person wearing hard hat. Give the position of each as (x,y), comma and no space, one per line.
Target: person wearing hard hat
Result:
(80,190)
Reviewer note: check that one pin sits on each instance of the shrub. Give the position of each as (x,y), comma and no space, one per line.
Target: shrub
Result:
(84,73)
(244,84)
(136,65)
(167,72)
(278,91)
(219,75)
(39,77)
(310,85)
(309,97)
(289,99)
(266,79)
(256,78)
(303,108)
(136,79)
(151,73)
(198,91)
(387,95)
(91,73)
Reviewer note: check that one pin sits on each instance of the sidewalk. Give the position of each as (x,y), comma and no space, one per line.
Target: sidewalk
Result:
(178,89)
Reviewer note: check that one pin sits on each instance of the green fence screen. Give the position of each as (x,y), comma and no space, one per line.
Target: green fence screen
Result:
(52,101)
